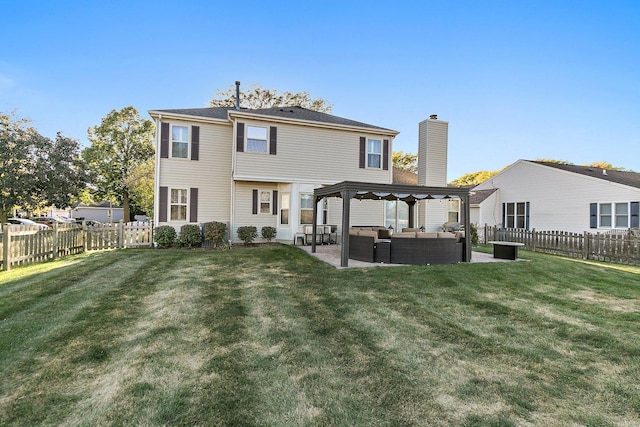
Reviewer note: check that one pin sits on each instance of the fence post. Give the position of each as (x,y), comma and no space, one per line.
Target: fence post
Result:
(55,240)
(585,246)
(534,238)
(6,244)
(120,234)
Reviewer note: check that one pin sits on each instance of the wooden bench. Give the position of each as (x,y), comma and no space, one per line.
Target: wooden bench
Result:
(505,250)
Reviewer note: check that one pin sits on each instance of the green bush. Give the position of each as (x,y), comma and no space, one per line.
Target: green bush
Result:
(268,233)
(215,232)
(474,234)
(190,235)
(164,236)
(247,234)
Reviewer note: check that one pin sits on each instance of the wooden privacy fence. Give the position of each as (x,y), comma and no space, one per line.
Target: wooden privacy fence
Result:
(22,245)
(623,247)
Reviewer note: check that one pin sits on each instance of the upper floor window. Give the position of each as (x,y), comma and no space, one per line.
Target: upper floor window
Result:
(257,139)
(374,153)
(180,142)
(178,204)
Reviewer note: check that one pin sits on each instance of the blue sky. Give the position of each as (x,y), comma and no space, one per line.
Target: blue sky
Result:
(515,80)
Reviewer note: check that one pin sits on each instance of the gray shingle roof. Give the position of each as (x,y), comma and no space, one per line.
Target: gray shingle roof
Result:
(298,113)
(478,196)
(631,179)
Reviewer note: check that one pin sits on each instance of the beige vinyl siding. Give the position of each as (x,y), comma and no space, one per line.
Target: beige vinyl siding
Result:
(433,213)
(243,207)
(211,174)
(367,212)
(559,200)
(432,153)
(306,153)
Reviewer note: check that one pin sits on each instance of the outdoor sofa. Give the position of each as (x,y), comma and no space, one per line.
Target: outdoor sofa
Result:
(407,247)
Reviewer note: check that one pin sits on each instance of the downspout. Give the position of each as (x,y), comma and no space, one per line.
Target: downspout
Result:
(156,187)
(232,184)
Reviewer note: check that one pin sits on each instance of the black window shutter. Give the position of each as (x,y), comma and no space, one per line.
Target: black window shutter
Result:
(363,151)
(526,218)
(385,155)
(274,203)
(193,205)
(195,142)
(504,215)
(240,137)
(162,204)
(164,140)
(273,139)
(635,215)
(255,202)
(593,215)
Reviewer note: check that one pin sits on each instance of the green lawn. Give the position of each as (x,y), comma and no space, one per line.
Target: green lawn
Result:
(269,336)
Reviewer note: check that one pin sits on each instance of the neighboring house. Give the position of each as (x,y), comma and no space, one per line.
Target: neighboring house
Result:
(259,167)
(552,196)
(101,212)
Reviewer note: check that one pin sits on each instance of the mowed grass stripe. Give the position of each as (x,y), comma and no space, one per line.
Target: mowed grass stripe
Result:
(271,336)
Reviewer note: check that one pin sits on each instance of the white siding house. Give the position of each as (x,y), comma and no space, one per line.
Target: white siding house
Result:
(260,167)
(550,196)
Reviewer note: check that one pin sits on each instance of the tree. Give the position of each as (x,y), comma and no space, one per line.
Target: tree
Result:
(119,145)
(404,161)
(36,171)
(473,178)
(140,183)
(258,97)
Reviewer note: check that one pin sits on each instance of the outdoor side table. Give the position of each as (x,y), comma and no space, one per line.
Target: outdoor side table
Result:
(383,251)
(505,250)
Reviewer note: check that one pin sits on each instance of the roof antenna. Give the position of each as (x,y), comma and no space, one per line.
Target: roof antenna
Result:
(237,95)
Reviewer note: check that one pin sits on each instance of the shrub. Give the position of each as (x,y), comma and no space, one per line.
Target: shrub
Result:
(164,236)
(247,234)
(474,234)
(190,235)
(268,233)
(215,232)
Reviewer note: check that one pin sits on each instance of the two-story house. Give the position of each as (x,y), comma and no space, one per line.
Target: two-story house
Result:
(259,167)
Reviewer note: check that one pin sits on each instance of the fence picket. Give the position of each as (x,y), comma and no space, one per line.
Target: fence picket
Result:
(609,247)
(22,245)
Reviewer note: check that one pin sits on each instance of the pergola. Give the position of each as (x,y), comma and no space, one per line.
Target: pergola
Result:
(410,194)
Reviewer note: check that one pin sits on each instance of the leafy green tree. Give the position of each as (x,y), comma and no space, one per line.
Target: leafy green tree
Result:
(141,183)
(36,171)
(473,178)
(121,143)
(408,161)
(259,97)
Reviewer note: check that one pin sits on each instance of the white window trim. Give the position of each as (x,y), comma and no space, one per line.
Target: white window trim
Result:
(613,215)
(187,191)
(270,193)
(377,154)
(188,141)
(306,209)
(515,215)
(285,196)
(246,139)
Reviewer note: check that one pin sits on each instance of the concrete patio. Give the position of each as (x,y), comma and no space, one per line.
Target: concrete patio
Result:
(331,255)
